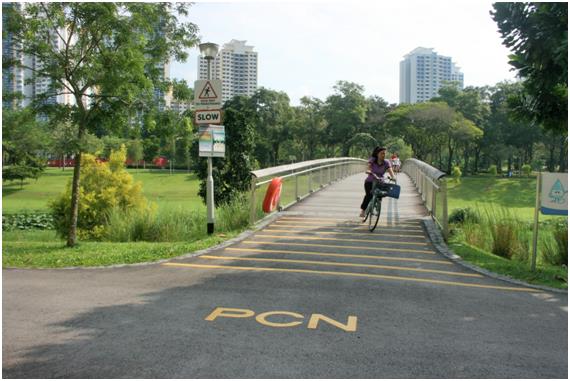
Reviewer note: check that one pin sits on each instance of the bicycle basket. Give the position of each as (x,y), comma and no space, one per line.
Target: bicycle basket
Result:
(392,190)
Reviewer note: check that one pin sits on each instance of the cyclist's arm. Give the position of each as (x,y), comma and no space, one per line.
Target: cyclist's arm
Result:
(369,171)
(391,172)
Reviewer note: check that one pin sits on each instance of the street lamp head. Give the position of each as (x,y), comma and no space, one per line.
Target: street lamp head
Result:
(209,50)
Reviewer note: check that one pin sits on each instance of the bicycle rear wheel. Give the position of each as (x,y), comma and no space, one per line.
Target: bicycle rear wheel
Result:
(375,215)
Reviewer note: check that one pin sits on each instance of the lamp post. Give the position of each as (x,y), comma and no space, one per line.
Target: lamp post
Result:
(209,50)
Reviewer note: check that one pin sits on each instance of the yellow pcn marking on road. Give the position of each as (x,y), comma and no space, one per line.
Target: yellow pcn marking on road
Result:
(340,264)
(375,276)
(343,233)
(316,253)
(239,313)
(372,241)
(343,247)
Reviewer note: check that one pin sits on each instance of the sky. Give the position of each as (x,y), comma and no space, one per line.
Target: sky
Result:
(305,47)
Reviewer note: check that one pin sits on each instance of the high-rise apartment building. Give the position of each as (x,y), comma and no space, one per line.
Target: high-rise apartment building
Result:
(13,77)
(236,66)
(423,72)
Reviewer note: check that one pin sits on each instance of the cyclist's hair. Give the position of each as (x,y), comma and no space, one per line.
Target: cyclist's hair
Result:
(375,153)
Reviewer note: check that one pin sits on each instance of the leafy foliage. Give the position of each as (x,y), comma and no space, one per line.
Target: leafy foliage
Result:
(27,221)
(104,187)
(537,33)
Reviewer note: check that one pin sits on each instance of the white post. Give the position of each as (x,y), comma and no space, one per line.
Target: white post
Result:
(535,230)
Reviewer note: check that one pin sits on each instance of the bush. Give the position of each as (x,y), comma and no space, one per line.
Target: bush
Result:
(103,188)
(555,245)
(505,233)
(20,172)
(27,221)
(456,173)
(493,170)
(462,215)
(174,224)
(526,169)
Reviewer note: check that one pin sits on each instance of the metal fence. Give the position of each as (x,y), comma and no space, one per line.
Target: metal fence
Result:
(300,180)
(432,187)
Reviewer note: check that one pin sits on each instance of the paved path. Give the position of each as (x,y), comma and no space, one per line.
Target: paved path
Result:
(313,294)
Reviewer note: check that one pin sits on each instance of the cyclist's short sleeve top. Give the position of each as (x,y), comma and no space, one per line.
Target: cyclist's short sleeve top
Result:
(378,169)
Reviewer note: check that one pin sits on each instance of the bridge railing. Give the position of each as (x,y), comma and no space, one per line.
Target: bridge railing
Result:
(300,180)
(432,187)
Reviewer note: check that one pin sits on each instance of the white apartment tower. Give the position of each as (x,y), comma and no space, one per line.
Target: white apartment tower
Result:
(236,66)
(423,72)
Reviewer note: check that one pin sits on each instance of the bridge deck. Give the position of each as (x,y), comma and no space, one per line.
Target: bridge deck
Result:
(324,236)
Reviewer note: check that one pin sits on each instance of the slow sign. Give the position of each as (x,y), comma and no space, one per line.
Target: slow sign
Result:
(208,116)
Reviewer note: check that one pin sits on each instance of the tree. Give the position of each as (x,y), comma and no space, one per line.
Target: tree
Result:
(232,174)
(310,126)
(345,112)
(106,56)
(274,117)
(135,151)
(537,33)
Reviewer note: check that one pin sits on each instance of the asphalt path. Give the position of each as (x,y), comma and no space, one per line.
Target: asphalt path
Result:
(311,295)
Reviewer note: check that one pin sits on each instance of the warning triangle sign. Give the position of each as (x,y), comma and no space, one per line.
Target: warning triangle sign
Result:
(208,92)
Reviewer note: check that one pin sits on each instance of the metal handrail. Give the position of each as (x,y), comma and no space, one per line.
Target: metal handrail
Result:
(431,185)
(335,168)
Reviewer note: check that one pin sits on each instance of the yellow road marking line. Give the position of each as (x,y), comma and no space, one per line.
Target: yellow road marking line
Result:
(322,219)
(340,239)
(361,228)
(345,233)
(342,264)
(351,227)
(343,247)
(346,222)
(421,280)
(340,255)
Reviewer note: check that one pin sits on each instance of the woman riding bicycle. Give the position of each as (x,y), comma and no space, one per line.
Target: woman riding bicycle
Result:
(377,167)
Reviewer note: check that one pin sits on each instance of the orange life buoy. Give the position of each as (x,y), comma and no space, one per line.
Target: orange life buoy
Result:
(272,195)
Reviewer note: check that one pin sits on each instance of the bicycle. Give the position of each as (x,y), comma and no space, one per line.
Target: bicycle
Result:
(379,191)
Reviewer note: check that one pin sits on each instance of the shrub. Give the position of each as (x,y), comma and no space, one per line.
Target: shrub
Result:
(173,224)
(526,169)
(20,172)
(504,229)
(462,215)
(493,170)
(456,173)
(555,245)
(103,187)
(27,221)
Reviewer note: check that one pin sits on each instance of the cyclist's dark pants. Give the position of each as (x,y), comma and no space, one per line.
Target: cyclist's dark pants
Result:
(368,197)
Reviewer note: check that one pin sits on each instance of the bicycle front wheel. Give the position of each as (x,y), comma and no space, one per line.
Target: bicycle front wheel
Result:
(375,215)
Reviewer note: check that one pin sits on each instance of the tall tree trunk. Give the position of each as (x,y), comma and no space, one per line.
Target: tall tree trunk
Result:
(510,163)
(72,235)
(476,162)
(465,162)
(551,148)
(450,158)
(563,155)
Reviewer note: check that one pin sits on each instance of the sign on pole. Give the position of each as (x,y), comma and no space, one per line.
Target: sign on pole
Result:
(208,116)
(554,194)
(208,94)
(212,141)
(551,199)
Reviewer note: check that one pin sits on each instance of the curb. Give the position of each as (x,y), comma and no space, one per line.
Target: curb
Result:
(442,248)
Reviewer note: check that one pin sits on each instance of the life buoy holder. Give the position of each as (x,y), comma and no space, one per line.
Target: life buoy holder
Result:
(272,195)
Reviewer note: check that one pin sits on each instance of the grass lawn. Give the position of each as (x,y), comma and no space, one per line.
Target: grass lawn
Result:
(180,188)
(42,249)
(518,194)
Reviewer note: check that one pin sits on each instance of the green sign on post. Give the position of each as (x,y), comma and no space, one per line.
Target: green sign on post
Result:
(212,141)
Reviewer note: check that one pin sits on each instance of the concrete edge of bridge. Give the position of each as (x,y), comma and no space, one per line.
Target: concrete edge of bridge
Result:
(441,247)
